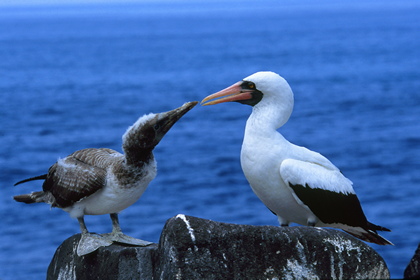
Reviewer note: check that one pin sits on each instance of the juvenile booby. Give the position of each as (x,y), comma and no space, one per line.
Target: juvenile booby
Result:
(103,181)
(296,184)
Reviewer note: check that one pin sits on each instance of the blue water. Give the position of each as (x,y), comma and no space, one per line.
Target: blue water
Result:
(73,77)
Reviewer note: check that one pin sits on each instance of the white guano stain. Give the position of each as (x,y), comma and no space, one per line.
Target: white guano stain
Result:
(341,247)
(68,272)
(190,229)
(296,269)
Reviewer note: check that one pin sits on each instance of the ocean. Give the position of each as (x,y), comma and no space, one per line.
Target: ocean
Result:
(74,76)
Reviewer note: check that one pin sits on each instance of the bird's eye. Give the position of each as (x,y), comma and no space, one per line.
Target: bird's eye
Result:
(156,126)
(251,85)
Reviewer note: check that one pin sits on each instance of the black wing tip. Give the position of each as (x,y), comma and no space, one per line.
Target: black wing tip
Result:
(376,227)
(40,177)
(377,239)
(368,235)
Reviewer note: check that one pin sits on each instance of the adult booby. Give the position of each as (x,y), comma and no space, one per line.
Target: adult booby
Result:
(103,181)
(296,184)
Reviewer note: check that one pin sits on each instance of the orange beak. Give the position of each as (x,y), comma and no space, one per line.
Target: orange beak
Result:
(233,93)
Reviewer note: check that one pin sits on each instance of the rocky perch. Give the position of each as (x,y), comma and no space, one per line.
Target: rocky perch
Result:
(413,269)
(194,248)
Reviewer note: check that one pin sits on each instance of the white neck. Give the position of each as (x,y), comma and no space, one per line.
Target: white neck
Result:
(268,116)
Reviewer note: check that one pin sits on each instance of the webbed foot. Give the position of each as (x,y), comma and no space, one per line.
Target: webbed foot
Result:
(90,242)
(125,239)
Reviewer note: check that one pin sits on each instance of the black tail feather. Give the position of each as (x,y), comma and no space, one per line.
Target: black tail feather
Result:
(376,227)
(33,197)
(369,235)
(40,177)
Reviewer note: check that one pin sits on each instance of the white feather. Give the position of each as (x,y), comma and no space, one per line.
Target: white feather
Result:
(113,198)
(270,162)
(298,172)
(140,122)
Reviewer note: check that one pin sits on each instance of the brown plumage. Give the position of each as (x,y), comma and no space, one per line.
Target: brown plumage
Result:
(103,181)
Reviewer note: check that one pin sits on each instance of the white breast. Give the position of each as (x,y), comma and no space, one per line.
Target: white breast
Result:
(113,198)
(261,159)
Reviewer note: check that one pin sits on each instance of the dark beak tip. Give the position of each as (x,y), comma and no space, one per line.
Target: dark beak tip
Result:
(185,108)
(192,104)
(188,106)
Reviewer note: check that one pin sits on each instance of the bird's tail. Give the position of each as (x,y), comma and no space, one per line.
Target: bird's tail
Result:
(370,234)
(33,197)
(40,177)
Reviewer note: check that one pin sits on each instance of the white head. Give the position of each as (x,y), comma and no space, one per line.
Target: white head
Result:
(268,93)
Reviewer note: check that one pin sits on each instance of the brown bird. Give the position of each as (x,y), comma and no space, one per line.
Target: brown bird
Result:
(103,181)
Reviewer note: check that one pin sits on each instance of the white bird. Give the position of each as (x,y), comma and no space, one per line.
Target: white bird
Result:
(295,183)
(103,181)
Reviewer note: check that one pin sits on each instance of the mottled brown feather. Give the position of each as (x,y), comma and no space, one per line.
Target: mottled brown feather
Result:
(79,175)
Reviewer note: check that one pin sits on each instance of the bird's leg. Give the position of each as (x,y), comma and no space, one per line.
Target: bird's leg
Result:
(311,224)
(115,223)
(82,225)
(118,236)
(89,242)
(283,222)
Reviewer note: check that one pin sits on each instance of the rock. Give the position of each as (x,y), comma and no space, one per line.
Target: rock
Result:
(413,269)
(112,262)
(194,248)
